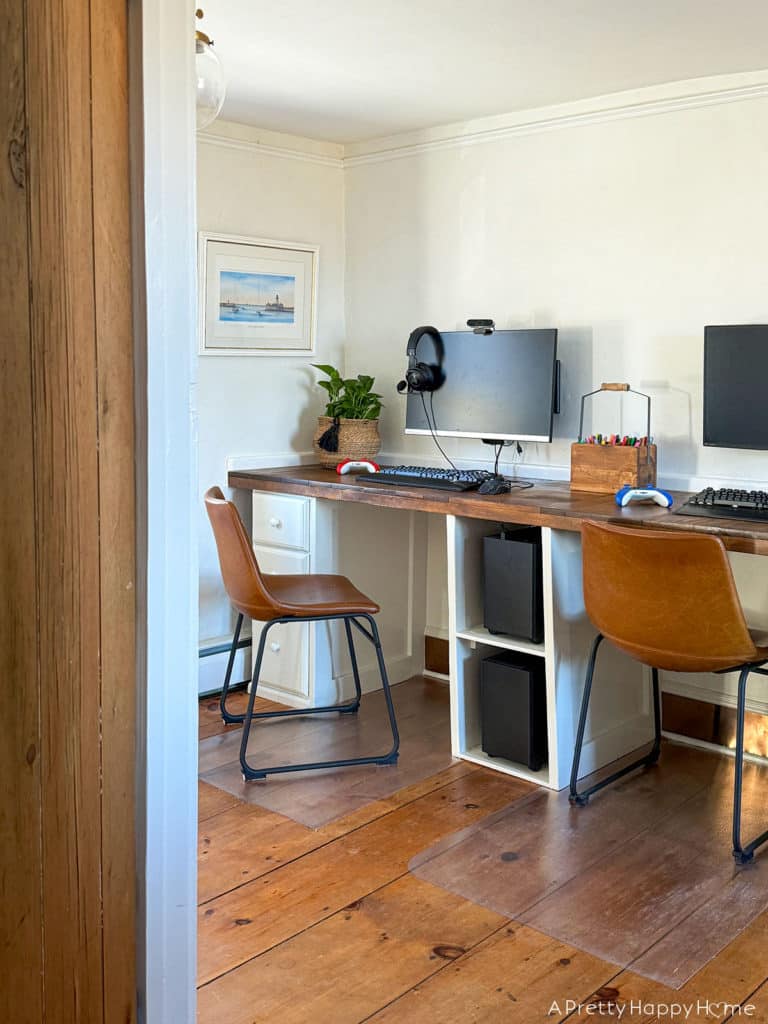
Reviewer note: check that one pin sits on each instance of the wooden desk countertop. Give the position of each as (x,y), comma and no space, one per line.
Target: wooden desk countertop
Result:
(547,503)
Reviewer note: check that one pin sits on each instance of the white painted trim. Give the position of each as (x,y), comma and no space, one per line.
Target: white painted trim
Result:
(714,748)
(479,435)
(524,470)
(263,149)
(163,163)
(655,100)
(650,101)
(212,667)
(246,462)
(682,688)
(437,632)
(437,677)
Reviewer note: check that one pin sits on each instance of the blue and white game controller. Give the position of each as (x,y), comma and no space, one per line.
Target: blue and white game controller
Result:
(627,494)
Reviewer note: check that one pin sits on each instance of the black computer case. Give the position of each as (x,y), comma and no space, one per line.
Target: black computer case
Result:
(512,588)
(513,706)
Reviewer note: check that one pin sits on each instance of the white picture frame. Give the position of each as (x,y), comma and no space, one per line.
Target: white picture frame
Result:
(256,296)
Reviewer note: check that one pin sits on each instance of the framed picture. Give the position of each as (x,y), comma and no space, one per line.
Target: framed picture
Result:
(257,296)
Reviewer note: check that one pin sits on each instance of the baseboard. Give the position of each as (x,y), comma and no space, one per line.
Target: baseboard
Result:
(437,677)
(683,687)
(398,670)
(212,669)
(267,461)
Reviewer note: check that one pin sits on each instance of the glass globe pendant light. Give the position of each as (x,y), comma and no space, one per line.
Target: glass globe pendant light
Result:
(211,86)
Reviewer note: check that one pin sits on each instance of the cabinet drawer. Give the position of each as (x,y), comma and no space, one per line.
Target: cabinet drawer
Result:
(285,665)
(281,520)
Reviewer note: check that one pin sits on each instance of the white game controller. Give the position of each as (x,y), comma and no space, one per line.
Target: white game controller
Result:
(359,465)
(627,494)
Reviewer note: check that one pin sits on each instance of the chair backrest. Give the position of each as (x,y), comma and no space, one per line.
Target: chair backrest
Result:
(243,580)
(667,598)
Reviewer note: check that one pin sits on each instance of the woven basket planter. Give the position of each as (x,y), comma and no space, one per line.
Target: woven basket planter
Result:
(358,439)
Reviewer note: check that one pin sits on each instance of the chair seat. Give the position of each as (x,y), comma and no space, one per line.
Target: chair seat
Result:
(318,595)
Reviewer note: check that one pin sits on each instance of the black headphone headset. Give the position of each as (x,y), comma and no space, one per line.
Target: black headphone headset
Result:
(421,377)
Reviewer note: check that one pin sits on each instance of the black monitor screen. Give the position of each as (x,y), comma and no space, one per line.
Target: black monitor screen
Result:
(495,386)
(735,372)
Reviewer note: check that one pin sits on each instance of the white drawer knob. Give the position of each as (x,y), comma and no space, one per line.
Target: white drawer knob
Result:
(274,646)
(277,523)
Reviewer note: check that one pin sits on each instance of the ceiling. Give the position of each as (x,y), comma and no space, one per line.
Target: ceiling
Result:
(349,70)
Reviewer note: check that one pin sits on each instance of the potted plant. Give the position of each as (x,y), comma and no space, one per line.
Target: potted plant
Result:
(350,427)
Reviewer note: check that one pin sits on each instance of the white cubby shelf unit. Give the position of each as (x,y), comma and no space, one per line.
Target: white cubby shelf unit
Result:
(620,714)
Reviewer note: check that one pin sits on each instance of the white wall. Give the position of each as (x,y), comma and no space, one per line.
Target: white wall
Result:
(264,185)
(628,234)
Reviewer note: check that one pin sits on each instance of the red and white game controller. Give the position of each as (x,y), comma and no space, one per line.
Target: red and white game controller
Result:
(359,465)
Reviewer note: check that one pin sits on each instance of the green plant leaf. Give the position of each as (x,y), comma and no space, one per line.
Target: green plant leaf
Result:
(326,368)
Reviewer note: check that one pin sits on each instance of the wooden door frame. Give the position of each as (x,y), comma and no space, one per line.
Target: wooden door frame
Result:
(163,144)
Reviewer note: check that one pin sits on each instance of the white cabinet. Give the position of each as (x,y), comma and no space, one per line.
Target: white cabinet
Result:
(282,532)
(383,552)
(282,520)
(285,665)
(620,717)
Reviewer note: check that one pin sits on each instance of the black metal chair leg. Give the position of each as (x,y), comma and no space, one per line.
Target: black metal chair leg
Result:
(249,772)
(355,671)
(392,756)
(581,799)
(227,717)
(653,757)
(742,854)
(574,796)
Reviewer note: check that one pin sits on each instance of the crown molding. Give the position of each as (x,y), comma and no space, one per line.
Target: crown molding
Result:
(646,102)
(619,106)
(283,152)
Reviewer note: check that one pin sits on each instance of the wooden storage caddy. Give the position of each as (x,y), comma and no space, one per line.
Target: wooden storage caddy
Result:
(607,468)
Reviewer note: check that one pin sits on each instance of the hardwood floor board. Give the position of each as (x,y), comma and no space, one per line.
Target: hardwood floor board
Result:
(211,801)
(730,978)
(514,859)
(367,954)
(245,842)
(210,713)
(239,925)
(621,906)
(314,798)
(513,976)
(758,1000)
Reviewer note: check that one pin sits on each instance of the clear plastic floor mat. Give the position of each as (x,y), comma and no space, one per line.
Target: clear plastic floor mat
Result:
(642,876)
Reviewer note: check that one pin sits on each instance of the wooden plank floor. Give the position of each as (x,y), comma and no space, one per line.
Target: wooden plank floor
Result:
(328,926)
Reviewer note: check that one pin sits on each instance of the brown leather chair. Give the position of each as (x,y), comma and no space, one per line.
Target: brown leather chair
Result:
(667,599)
(281,599)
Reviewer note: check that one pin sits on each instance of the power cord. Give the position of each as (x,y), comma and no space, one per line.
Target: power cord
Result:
(433,429)
(514,485)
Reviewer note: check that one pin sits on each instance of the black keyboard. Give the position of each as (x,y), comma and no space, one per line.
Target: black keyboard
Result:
(427,476)
(727,503)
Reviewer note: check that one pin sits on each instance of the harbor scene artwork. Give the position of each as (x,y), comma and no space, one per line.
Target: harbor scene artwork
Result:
(256,298)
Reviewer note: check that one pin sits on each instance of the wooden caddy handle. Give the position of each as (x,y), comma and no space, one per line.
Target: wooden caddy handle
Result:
(614,387)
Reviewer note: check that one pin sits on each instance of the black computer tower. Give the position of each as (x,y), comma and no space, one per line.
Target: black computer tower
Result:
(513,707)
(512,583)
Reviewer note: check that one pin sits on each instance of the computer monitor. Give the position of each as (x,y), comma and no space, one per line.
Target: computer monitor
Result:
(498,386)
(735,375)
